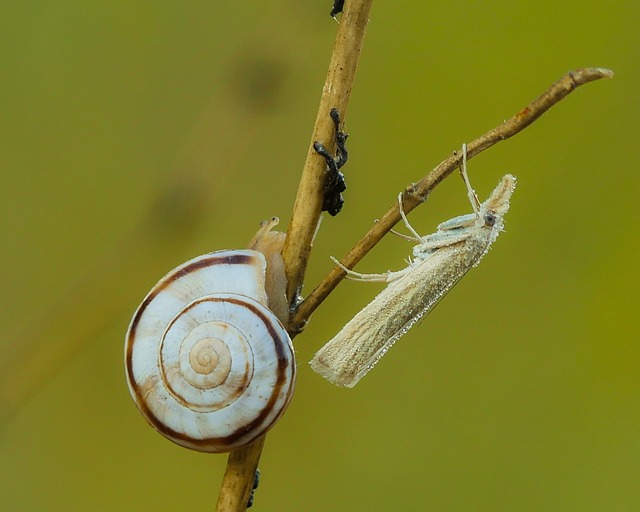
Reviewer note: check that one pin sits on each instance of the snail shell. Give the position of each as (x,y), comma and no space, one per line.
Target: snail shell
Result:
(208,364)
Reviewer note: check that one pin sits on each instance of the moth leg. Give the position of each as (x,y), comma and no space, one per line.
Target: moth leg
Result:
(458,223)
(404,237)
(441,239)
(385,277)
(471,194)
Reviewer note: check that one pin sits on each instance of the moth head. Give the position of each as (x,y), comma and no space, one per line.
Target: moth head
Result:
(490,219)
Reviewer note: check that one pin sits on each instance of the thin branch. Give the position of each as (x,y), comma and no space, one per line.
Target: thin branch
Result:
(239,477)
(335,94)
(417,193)
(242,463)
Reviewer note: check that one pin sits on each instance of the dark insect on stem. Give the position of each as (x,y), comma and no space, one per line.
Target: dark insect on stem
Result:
(337,8)
(335,183)
(256,482)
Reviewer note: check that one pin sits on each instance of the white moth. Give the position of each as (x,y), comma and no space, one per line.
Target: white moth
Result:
(439,261)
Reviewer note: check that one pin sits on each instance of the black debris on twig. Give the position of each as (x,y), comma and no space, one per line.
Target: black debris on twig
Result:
(335,184)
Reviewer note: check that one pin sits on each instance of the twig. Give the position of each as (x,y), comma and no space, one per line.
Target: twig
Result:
(335,94)
(417,193)
(241,465)
(239,477)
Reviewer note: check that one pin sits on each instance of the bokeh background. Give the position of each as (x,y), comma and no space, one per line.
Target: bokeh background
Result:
(136,135)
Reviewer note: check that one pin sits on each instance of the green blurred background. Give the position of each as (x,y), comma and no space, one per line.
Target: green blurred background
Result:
(136,135)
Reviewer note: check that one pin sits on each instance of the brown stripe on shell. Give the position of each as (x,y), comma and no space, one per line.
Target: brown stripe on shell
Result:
(215,443)
(277,390)
(176,436)
(213,259)
(232,259)
(246,377)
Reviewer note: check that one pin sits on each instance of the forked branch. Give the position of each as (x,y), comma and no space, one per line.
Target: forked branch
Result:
(417,193)
(241,465)
(335,94)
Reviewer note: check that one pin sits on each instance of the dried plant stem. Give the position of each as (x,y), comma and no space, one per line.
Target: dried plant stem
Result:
(239,476)
(241,465)
(417,193)
(335,94)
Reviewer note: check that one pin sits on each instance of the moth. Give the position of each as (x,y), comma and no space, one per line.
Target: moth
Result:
(439,261)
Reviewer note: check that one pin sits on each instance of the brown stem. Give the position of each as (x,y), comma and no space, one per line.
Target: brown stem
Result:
(239,477)
(335,94)
(417,193)
(242,463)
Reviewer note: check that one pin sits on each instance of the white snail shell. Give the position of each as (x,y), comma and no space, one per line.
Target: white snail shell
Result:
(208,364)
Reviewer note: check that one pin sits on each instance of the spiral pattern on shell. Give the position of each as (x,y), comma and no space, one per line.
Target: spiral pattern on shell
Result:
(208,364)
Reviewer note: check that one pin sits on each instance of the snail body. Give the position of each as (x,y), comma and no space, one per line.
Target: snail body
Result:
(208,364)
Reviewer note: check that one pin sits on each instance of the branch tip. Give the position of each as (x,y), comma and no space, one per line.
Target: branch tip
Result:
(417,193)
